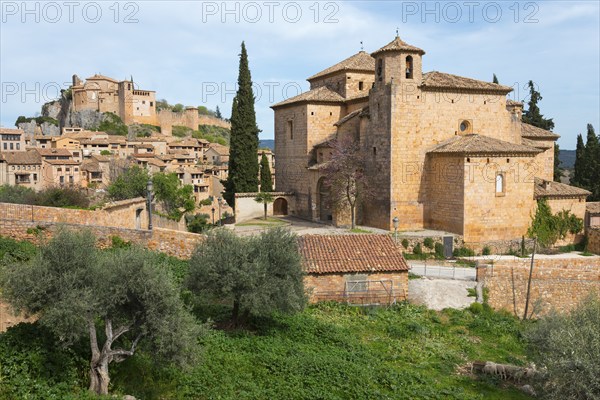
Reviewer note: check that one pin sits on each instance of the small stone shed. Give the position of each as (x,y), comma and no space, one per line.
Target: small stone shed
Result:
(356,269)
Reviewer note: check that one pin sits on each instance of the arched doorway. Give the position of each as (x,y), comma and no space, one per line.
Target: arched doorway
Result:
(280,206)
(324,201)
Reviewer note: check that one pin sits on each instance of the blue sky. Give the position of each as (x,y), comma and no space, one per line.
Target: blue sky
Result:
(188,50)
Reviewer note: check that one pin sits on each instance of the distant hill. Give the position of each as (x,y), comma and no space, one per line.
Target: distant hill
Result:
(567,159)
(269,143)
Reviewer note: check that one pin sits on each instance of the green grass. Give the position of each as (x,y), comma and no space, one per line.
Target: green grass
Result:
(261,222)
(332,351)
(359,230)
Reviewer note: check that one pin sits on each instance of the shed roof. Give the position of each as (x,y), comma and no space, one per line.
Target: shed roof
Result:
(323,254)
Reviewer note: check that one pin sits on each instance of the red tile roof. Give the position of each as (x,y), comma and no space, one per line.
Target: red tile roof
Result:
(324,254)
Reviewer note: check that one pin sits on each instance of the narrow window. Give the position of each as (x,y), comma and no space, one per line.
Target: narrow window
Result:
(380,69)
(290,129)
(360,85)
(500,187)
(409,67)
(374,151)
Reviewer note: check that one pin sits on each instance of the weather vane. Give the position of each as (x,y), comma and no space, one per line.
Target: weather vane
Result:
(397,34)
(361,45)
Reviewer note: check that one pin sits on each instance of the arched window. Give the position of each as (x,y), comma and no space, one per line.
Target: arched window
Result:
(409,67)
(500,189)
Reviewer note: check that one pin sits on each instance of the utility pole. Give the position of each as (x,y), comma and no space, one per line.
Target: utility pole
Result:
(529,280)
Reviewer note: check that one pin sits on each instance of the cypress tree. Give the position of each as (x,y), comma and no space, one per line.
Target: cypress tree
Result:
(533,116)
(495,79)
(218,113)
(266,183)
(591,161)
(557,169)
(243,163)
(578,168)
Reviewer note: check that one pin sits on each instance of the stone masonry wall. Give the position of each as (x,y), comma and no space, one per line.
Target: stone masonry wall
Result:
(594,240)
(331,286)
(557,283)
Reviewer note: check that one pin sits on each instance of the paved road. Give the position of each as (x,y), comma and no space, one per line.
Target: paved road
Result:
(437,271)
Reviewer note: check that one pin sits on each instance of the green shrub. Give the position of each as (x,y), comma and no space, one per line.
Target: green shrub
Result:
(476,308)
(119,243)
(198,223)
(428,242)
(486,251)
(206,202)
(417,249)
(439,250)
(463,252)
(405,243)
(112,124)
(105,153)
(549,228)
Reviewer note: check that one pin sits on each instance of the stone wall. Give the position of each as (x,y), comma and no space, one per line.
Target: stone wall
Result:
(324,287)
(557,283)
(594,240)
(247,208)
(125,214)
(174,243)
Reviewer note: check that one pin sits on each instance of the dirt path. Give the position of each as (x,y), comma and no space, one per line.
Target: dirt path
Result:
(438,294)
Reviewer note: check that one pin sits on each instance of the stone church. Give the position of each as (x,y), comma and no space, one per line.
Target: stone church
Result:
(444,152)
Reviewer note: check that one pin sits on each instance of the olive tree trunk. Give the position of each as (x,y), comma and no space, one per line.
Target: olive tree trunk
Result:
(101,358)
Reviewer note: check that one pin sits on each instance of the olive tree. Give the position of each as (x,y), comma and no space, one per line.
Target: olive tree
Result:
(567,348)
(74,289)
(257,275)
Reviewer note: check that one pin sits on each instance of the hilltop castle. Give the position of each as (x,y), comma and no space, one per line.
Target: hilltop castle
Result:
(444,152)
(133,105)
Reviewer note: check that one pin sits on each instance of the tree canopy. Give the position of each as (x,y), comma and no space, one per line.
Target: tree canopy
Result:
(344,174)
(175,198)
(73,289)
(257,275)
(532,115)
(587,163)
(130,184)
(266,181)
(243,161)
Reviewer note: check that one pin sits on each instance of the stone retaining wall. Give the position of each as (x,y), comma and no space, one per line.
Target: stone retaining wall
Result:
(557,283)
(594,240)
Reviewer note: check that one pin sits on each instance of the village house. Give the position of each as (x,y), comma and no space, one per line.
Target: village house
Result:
(443,152)
(21,168)
(357,269)
(12,139)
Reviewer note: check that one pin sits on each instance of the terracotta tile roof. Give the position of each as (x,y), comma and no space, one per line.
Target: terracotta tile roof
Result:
(101,77)
(530,131)
(29,157)
(319,95)
(478,144)
(100,158)
(348,117)
(441,80)
(219,148)
(510,102)
(360,61)
(544,188)
(398,45)
(62,162)
(90,166)
(593,207)
(54,152)
(323,254)
(185,143)
(535,143)
(156,162)
(12,131)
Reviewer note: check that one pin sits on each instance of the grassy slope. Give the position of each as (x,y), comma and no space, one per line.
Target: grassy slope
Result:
(328,351)
(337,352)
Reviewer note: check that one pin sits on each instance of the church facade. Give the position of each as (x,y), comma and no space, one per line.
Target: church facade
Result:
(444,152)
